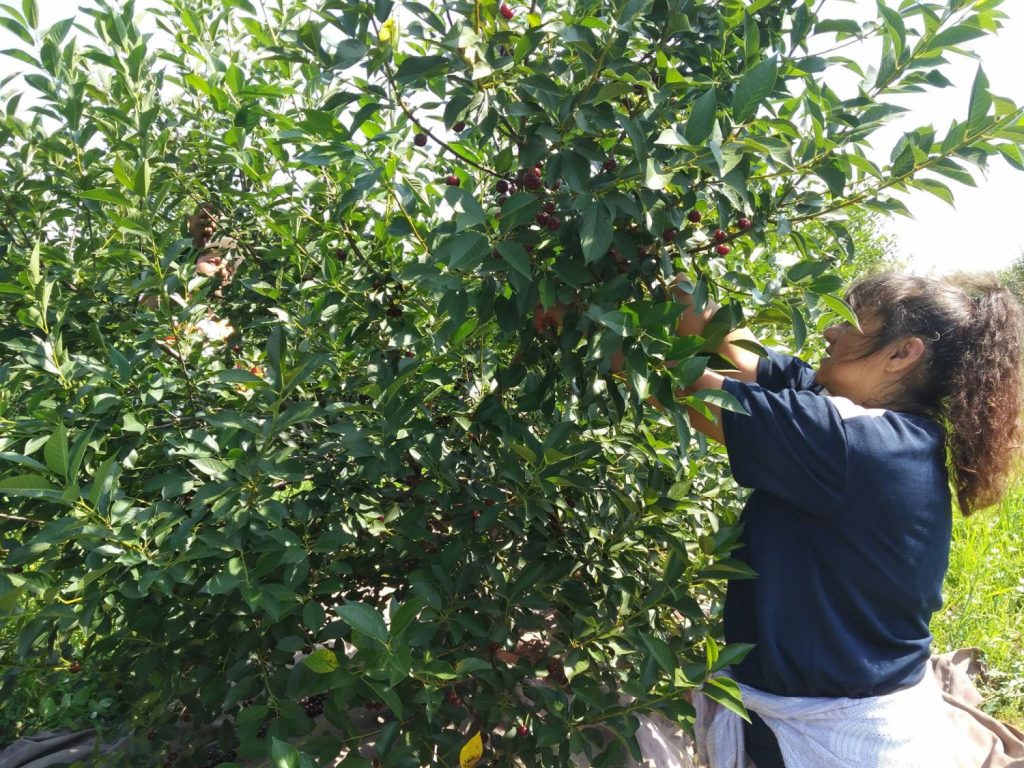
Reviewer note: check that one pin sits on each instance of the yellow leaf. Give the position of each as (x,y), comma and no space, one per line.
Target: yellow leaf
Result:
(471,751)
(388,31)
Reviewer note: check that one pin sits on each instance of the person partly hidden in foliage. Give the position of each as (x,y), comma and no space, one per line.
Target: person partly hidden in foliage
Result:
(215,257)
(849,523)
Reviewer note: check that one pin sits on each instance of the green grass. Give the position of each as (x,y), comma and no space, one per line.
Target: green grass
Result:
(984,601)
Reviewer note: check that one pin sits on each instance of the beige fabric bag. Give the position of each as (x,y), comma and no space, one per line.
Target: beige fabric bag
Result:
(984,741)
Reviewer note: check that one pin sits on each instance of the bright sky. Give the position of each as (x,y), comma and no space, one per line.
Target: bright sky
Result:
(981,232)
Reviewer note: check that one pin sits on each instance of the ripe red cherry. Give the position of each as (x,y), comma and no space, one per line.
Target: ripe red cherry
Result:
(460,126)
(541,218)
(532,182)
(669,234)
(420,140)
(610,164)
(694,216)
(522,730)
(722,249)
(476,514)
(502,199)
(501,186)
(719,236)
(554,224)
(548,207)
(76,667)
(744,223)
(452,180)
(507,12)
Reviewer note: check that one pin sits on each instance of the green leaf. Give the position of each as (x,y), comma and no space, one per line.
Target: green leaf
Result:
(595,231)
(654,178)
(403,617)
(221,583)
(313,615)
(937,188)
(364,619)
(611,91)
(56,451)
(468,211)
(105,196)
(895,28)
(842,27)
(322,661)
(462,251)
(239,376)
(17,29)
(15,290)
(833,175)
(615,320)
(841,308)
(948,167)
(799,329)
(731,654)
(212,467)
(142,175)
(283,754)
(721,398)
(518,209)
(25,461)
(753,87)
(25,483)
(980,104)
(1010,152)
(961,33)
(701,121)
(417,69)
(31,11)
(726,692)
(516,257)
(123,173)
(130,423)
(661,652)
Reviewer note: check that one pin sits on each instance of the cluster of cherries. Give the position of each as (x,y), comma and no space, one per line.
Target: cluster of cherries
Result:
(719,235)
(530,179)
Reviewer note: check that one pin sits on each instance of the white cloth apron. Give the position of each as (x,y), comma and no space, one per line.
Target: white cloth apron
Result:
(898,730)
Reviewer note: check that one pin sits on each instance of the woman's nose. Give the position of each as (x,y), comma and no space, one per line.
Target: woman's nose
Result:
(831,333)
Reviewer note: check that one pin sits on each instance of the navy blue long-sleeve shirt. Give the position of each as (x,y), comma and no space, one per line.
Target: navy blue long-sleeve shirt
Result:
(848,528)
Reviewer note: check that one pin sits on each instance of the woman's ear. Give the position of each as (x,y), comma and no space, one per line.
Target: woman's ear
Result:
(905,355)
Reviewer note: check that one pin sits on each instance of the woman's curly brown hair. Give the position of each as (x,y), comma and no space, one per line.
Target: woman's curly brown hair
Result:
(970,374)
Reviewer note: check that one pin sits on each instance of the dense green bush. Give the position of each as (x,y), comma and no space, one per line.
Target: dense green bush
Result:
(397,450)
